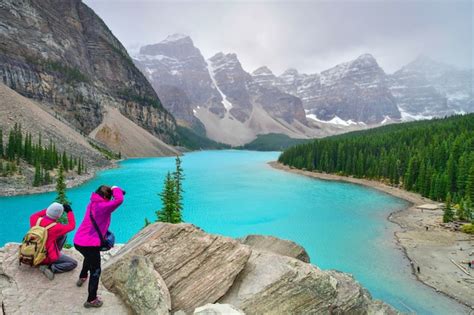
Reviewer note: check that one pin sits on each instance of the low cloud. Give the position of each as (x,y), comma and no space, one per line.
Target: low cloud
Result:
(310,36)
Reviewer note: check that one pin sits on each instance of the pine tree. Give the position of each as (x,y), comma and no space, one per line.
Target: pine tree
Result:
(460,212)
(469,210)
(61,186)
(79,168)
(61,192)
(47,177)
(37,180)
(147,222)
(178,177)
(1,143)
(168,212)
(448,215)
(470,184)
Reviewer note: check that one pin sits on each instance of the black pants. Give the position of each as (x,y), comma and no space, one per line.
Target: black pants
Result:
(90,265)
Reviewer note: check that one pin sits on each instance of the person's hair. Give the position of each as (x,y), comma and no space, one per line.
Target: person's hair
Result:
(104,191)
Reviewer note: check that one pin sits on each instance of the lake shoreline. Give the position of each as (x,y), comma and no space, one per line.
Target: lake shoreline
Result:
(71,182)
(427,249)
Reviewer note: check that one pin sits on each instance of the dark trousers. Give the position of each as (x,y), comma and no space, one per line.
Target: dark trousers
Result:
(64,263)
(91,265)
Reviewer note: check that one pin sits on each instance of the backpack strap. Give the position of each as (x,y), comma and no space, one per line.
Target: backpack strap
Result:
(96,227)
(39,221)
(50,226)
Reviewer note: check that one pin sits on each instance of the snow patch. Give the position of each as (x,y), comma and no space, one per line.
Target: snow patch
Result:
(406,116)
(385,120)
(227,105)
(335,121)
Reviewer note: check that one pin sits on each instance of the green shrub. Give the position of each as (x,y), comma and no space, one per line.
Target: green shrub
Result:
(468,228)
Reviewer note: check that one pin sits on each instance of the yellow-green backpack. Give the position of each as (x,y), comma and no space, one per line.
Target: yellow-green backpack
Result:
(33,246)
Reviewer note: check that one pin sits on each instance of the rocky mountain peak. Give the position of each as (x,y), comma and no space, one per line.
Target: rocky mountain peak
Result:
(264,70)
(176,46)
(290,72)
(177,38)
(264,76)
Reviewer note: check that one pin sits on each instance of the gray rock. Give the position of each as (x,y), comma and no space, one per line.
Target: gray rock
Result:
(428,88)
(197,267)
(138,284)
(63,54)
(352,298)
(25,290)
(217,309)
(275,284)
(277,246)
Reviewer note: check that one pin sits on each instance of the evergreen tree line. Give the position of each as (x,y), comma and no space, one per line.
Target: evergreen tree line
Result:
(434,158)
(44,158)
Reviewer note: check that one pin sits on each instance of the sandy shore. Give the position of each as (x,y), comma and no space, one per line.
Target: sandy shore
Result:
(429,249)
(76,180)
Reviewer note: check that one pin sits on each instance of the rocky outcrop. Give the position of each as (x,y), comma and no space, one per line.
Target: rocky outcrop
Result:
(275,284)
(218,309)
(25,290)
(277,246)
(197,267)
(62,54)
(138,284)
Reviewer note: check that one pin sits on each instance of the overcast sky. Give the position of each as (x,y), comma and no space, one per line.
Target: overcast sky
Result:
(310,36)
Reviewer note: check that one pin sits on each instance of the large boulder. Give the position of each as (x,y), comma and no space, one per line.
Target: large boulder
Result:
(197,267)
(139,285)
(277,246)
(352,298)
(218,309)
(26,290)
(276,284)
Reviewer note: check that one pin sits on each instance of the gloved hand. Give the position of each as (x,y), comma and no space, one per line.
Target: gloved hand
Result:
(67,208)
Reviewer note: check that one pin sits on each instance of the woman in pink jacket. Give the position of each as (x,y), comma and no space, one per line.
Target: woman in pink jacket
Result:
(87,240)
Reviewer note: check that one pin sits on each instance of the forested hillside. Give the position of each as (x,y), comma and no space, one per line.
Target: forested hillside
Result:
(430,157)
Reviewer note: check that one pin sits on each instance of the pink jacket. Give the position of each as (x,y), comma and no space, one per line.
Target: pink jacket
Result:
(102,209)
(53,233)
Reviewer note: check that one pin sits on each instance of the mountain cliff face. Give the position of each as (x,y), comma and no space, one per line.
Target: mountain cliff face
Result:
(218,94)
(426,88)
(62,54)
(179,74)
(354,91)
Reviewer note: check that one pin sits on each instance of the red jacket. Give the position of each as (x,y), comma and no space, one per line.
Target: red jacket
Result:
(53,233)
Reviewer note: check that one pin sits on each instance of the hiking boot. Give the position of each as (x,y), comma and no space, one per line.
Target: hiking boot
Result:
(81,281)
(96,303)
(47,272)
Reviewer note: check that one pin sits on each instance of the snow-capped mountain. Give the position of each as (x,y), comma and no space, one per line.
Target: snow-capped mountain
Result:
(219,99)
(425,88)
(353,92)
(217,96)
(179,74)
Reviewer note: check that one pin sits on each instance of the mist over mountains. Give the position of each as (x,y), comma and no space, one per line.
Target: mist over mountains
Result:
(218,98)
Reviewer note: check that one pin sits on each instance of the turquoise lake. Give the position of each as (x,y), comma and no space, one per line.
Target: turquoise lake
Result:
(234,193)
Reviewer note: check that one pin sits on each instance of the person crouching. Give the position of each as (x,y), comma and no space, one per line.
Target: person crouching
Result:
(55,261)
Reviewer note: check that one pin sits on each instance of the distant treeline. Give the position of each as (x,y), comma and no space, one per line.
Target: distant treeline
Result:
(45,158)
(433,158)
